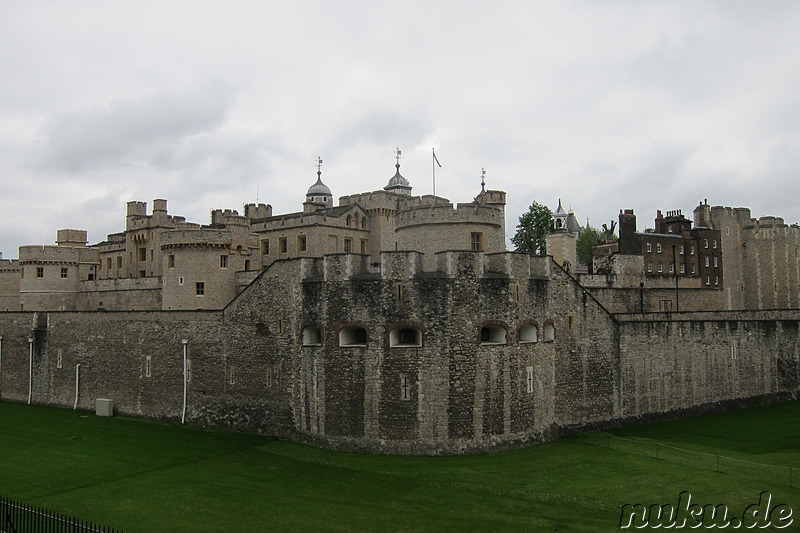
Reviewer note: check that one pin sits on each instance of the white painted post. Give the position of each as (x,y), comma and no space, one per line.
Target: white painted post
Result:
(185,380)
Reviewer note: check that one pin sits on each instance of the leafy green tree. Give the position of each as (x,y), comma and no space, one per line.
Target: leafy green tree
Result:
(583,245)
(532,230)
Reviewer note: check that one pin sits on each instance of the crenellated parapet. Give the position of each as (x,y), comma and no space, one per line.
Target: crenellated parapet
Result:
(435,212)
(195,237)
(407,265)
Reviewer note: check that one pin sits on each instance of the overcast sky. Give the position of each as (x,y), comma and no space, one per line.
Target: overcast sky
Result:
(606,104)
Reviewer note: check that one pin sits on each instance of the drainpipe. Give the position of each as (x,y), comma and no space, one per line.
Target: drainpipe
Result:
(185,380)
(30,368)
(77,382)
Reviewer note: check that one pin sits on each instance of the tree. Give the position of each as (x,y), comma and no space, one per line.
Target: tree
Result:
(532,230)
(583,245)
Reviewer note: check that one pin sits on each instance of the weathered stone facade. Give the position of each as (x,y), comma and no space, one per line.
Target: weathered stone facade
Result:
(483,352)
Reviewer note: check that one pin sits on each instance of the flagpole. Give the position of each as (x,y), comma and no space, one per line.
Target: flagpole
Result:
(433,166)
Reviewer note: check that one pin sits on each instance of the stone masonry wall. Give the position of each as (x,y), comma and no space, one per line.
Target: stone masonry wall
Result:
(284,359)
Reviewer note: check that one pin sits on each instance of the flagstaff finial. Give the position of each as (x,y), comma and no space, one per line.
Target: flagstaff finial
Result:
(397,155)
(483,179)
(319,166)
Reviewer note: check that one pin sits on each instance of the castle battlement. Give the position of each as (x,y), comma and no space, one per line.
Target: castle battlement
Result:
(439,213)
(195,237)
(9,264)
(406,265)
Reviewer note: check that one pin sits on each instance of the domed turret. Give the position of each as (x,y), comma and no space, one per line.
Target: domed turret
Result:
(319,196)
(319,188)
(398,183)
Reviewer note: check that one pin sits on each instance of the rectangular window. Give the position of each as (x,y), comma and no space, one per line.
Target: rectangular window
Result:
(223,261)
(683,268)
(669,228)
(39,272)
(284,245)
(658,247)
(348,245)
(142,254)
(142,273)
(705,243)
(649,247)
(649,266)
(65,272)
(692,268)
(301,243)
(708,280)
(691,249)
(529,371)
(476,241)
(707,262)
(714,244)
(119,262)
(363,246)
(672,268)
(265,247)
(108,263)
(680,249)
(200,288)
(716,261)
(58,358)
(716,280)
(171,261)
(660,266)
(148,366)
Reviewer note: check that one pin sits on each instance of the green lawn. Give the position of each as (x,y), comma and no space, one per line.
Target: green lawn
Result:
(144,476)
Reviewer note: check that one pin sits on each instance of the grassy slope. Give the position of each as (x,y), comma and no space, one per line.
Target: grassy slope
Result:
(145,476)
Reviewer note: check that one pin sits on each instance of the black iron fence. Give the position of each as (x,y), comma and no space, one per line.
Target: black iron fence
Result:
(16,517)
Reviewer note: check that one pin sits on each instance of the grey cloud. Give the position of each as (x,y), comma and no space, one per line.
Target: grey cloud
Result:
(127,131)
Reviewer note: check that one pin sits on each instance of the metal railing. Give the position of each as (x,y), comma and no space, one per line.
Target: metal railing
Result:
(17,517)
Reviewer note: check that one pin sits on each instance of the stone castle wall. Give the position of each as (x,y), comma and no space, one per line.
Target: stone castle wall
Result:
(283,357)
(9,285)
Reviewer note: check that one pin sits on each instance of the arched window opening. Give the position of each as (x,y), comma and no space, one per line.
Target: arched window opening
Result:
(352,336)
(549,331)
(348,220)
(405,337)
(364,223)
(493,334)
(311,336)
(529,333)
